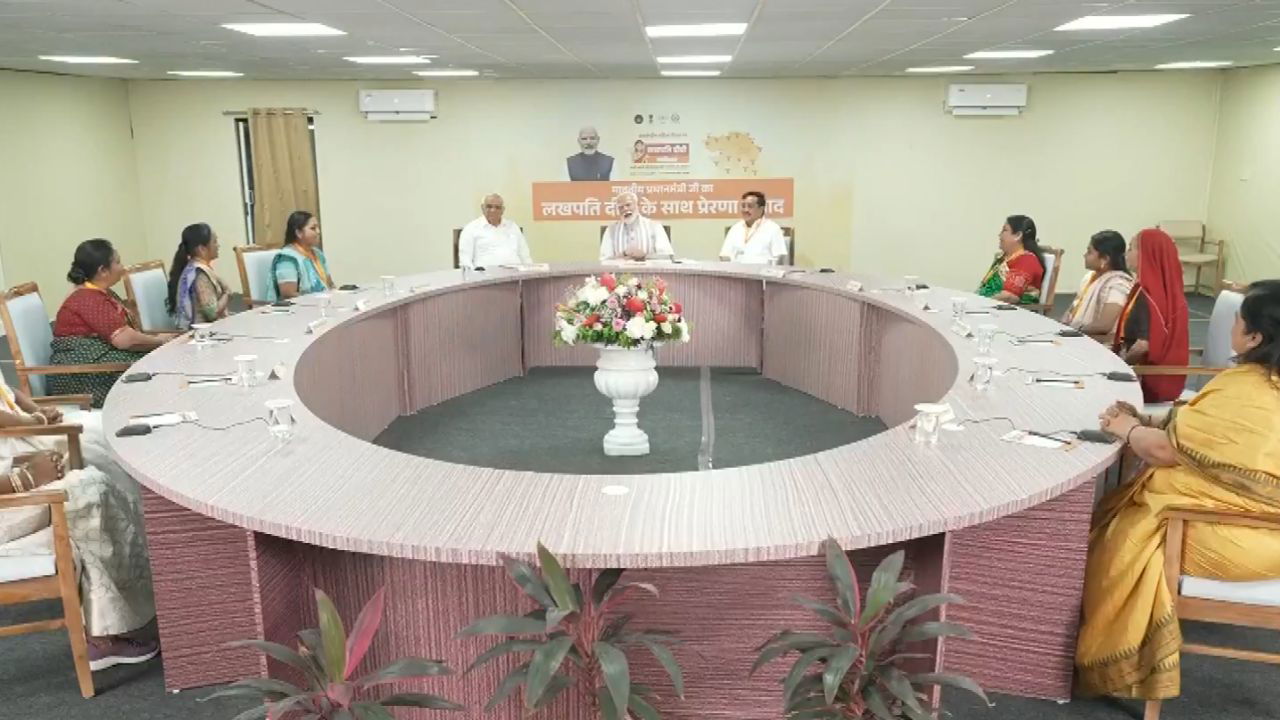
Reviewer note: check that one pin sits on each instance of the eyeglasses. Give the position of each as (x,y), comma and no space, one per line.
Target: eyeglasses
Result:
(493,207)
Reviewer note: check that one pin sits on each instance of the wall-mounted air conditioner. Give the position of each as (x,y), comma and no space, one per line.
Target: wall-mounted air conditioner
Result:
(397,105)
(1002,99)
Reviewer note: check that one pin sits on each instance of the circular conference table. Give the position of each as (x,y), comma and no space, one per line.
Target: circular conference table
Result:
(240,529)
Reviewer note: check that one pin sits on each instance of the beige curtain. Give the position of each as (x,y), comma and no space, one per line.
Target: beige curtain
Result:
(284,170)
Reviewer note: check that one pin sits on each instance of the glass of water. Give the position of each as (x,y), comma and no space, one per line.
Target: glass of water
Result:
(958,307)
(280,420)
(911,281)
(928,420)
(986,333)
(247,370)
(920,297)
(201,335)
(983,371)
(326,301)
(388,285)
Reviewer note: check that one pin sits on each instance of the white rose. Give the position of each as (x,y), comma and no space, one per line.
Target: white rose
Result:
(666,327)
(568,332)
(594,295)
(684,331)
(621,290)
(637,328)
(642,295)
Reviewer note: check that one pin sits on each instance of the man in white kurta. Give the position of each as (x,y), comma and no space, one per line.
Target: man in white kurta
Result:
(490,240)
(634,236)
(755,238)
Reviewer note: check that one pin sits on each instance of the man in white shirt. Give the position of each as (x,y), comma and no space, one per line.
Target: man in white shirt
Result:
(491,241)
(634,236)
(755,238)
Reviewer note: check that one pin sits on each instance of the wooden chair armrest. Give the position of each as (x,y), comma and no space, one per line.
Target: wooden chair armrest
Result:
(71,369)
(1269,521)
(42,430)
(84,402)
(33,498)
(1175,370)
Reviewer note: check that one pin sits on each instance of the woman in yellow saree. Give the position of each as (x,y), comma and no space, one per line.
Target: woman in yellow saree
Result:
(1221,450)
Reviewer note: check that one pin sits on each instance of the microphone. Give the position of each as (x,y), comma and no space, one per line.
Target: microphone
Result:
(1095,436)
(134,429)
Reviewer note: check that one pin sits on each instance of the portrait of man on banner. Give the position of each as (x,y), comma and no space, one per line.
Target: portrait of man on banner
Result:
(589,163)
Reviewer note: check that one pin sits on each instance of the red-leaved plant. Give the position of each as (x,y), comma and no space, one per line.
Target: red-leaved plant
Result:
(575,641)
(327,659)
(855,671)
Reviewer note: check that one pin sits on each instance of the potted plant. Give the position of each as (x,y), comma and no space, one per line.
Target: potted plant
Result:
(856,670)
(326,659)
(625,318)
(575,640)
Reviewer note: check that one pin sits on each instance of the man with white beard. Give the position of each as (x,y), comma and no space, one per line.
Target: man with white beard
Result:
(589,164)
(633,236)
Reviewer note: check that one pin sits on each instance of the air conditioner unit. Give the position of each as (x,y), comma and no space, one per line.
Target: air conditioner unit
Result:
(1003,99)
(397,105)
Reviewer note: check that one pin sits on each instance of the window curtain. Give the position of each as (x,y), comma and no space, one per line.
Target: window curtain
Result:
(284,171)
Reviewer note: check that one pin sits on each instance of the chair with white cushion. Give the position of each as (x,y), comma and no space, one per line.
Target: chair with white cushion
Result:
(1216,355)
(1052,258)
(254,262)
(147,287)
(1249,604)
(40,565)
(26,324)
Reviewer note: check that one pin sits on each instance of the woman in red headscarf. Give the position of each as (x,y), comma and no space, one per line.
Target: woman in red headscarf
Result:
(1152,329)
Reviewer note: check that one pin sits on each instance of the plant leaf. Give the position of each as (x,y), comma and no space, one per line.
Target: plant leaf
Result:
(404,669)
(668,661)
(875,702)
(913,608)
(801,665)
(948,680)
(933,629)
(544,664)
(818,714)
(278,709)
(284,654)
(419,700)
(508,685)
(505,625)
(555,616)
(900,685)
(642,709)
(826,612)
(842,576)
(837,665)
(559,683)
(527,578)
(557,580)
(615,626)
(807,691)
(371,711)
(505,647)
(615,596)
(362,632)
(608,709)
(269,688)
(785,642)
(617,673)
(884,584)
(257,712)
(605,580)
(333,638)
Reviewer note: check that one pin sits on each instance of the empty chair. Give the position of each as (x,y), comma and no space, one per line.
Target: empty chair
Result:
(146,285)
(1052,258)
(254,262)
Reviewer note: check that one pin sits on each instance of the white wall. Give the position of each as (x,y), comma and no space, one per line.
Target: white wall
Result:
(1243,207)
(884,178)
(67,174)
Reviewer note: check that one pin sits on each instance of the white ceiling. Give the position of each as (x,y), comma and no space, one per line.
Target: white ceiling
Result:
(605,38)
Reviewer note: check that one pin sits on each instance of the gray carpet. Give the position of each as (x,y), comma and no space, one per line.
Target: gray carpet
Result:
(553,419)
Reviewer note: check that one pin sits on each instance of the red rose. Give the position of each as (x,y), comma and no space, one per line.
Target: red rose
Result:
(675,308)
(634,305)
(609,281)
(591,320)
(660,318)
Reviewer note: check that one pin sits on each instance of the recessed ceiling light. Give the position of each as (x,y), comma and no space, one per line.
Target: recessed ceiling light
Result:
(1008,54)
(1119,22)
(694,59)
(284,29)
(88,59)
(700,30)
(206,73)
(447,73)
(690,73)
(1194,65)
(390,59)
(940,69)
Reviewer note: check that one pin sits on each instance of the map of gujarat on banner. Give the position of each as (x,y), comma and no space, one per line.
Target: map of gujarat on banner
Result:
(734,153)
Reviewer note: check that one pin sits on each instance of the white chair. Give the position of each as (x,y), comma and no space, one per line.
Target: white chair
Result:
(1052,258)
(254,262)
(1248,604)
(1216,355)
(26,324)
(147,287)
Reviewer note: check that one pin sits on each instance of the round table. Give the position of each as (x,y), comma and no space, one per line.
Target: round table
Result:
(241,529)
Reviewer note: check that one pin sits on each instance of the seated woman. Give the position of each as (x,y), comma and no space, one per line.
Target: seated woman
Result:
(1104,289)
(1017,272)
(1152,329)
(300,268)
(1222,451)
(94,325)
(104,519)
(196,293)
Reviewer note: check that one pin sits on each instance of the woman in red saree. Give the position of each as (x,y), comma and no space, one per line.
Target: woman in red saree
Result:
(1152,329)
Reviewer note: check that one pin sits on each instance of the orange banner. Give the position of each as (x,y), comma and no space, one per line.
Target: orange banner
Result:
(659,199)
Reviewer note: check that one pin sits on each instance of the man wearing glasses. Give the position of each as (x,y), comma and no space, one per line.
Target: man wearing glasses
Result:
(491,241)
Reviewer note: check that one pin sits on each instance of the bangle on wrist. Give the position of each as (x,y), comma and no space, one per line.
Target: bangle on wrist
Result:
(14,482)
(1128,434)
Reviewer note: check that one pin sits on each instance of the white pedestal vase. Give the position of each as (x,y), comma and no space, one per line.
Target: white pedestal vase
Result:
(625,375)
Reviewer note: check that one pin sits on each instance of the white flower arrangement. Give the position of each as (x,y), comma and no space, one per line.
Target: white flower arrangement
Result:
(626,312)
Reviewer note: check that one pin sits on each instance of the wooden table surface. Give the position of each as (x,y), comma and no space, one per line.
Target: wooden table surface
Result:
(331,488)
